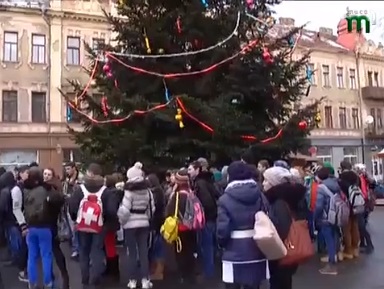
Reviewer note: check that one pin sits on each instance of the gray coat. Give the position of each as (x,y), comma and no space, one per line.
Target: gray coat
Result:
(137,206)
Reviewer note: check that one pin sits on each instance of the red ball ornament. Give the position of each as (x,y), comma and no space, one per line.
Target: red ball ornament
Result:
(109,74)
(106,68)
(303,125)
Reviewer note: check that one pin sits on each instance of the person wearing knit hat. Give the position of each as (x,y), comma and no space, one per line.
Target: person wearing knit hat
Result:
(235,221)
(185,259)
(135,172)
(135,214)
(275,176)
(286,199)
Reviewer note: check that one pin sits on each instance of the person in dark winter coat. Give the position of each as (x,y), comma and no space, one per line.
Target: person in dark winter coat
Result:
(157,251)
(111,226)
(244,265)
(185,259)
(205,190)
(287,200)
(53,185)
(13,221)
(93,183)
(40,210)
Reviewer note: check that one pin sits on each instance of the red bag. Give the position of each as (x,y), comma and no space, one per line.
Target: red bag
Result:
(90,214)
(298,243)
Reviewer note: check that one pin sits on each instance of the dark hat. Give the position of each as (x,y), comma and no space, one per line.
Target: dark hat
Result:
(239,171)
(281,163)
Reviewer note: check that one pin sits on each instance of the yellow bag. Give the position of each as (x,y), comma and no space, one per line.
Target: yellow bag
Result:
(170,229)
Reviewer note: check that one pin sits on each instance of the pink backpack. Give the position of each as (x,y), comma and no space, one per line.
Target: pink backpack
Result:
(193,217)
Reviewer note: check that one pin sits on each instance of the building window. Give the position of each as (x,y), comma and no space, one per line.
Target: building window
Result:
(379,118)
(11,159)
(72,115)
(324,154)
(376,79)
(355,118)
(311,66)
(343,117)
(10,47)
(370,79)
(373,114)
(328,117)
(39,107)
(340,77)
(73,50)
(9,106)
(326,80)
(71,155)
(350,154)
(98,44)
(352,79)
(38,49)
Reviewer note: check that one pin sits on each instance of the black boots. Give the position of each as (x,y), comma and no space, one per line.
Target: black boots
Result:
(112,270)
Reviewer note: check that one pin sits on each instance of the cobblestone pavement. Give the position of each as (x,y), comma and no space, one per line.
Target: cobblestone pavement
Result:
(367,272)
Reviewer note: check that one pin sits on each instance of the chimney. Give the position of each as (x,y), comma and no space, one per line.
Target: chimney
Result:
(287,21)
(325,31)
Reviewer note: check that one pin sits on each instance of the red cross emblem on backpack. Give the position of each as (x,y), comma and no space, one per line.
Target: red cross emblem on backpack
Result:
(90,214)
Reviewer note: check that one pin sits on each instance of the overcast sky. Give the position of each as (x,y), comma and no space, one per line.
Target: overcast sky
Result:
(329,13)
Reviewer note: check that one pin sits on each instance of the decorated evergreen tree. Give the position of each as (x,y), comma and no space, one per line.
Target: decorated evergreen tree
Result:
(193,78)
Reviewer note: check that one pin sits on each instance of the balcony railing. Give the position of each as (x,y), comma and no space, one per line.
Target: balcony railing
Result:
(373,92)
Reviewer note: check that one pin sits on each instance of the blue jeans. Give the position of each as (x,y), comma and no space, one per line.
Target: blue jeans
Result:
(91,249)
(75,242)
(330,235)
(18,247)
(157,250)
(207,248)
(39,242)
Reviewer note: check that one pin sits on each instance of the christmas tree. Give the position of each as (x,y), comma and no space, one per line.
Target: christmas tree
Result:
(189,78)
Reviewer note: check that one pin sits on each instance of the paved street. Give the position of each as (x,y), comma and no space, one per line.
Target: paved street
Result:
(365,273)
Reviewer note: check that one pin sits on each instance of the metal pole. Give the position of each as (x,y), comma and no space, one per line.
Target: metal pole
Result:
(361,103)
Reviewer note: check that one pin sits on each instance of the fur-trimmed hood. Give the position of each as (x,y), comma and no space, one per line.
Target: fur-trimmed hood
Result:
(246,191)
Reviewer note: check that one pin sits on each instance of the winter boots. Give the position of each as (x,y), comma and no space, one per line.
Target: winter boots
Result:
(112,270)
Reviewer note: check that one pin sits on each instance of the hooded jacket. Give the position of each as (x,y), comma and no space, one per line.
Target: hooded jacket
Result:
(93,185)
(236,212)
(7,203)
(46,195)
(205,190)
(138,206)
(287,201)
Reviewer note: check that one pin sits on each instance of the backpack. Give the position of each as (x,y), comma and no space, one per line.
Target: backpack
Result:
(356,200)
(193,217)
(338,210)
(35,210)
(90,213)
(298,243)
(170,228)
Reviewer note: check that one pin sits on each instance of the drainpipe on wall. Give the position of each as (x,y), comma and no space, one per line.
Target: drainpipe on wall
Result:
(361,103)
(48,109)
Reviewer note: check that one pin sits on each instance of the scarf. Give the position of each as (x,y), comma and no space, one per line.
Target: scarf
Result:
(312,194)
(364,186)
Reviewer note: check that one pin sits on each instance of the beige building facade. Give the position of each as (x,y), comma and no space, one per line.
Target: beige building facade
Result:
(42,46)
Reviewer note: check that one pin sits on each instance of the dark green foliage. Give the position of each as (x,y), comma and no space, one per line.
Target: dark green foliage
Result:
(245,96)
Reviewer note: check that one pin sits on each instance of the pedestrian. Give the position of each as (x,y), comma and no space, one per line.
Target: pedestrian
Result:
(135,213)
(38,206)
(244,265)
(287,201)
(90,196)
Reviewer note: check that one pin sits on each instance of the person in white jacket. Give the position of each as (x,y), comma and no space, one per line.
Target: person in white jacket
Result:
(135,213)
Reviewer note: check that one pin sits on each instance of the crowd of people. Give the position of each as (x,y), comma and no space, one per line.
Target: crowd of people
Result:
(203,213)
